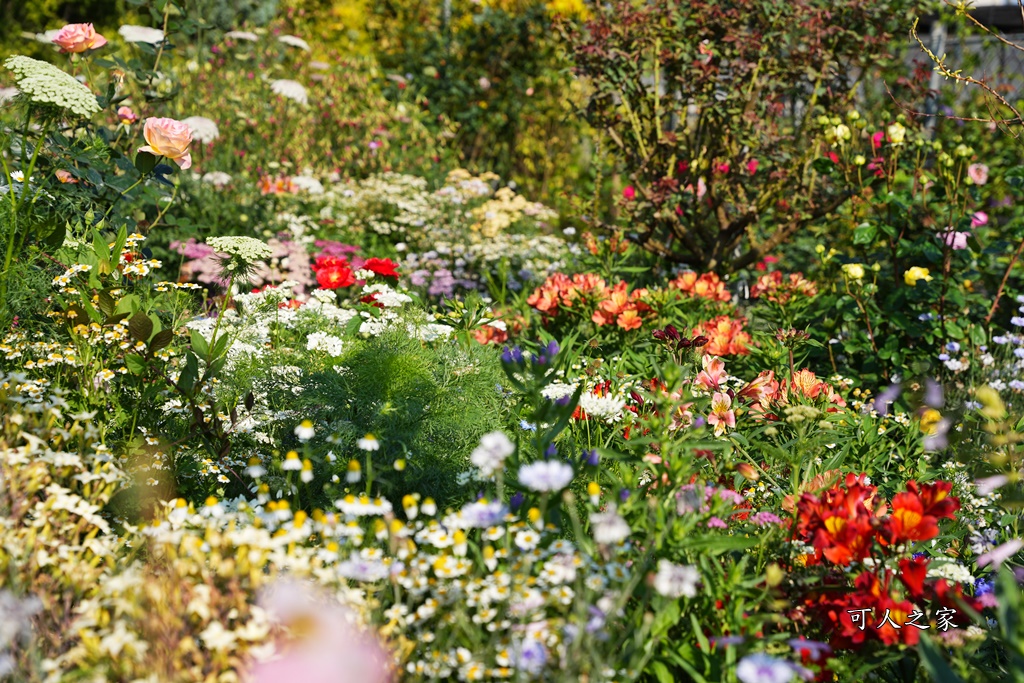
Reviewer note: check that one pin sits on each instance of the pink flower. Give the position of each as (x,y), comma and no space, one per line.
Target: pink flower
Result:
(327,646)
(877,139)
(702,188)
(979,219)
(66,177)
(168,138)
(714,371)
(126,116)
(978,173)
(752,166)
(721,414)
(722,168)
(78,38)
(956,240)
(629,193)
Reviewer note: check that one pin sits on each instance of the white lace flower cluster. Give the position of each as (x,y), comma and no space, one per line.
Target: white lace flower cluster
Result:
(329,344)
(44,83)
(248,249)
(203,129)
(293,90)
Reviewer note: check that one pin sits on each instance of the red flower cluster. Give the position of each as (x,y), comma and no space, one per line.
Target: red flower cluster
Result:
(843,523)
(611,304)
(333,272)
(706,286)
(781,290)
(726,337)
(848,523)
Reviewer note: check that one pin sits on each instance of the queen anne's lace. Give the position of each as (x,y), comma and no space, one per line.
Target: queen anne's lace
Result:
(44,83)
(203,129)
(248,249)
(293,90)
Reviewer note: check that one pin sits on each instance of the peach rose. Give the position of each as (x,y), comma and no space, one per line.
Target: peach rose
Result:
(168,138)
(78,38)
(66,177)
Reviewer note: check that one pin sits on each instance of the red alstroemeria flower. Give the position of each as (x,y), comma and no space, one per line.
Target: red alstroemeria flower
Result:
(916,512)
(913,573)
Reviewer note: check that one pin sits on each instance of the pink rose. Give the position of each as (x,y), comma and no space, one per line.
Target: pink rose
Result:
(629,193)
(126,116)
(168,138)
(956,240)
(78,38)
(752,166)
(979,219)
(327,646)
(978,173)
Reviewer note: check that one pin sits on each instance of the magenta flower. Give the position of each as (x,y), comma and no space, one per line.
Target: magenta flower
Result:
(629,193)
(979,219)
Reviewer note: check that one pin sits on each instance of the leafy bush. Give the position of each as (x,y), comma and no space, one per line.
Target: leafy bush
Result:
(712,109)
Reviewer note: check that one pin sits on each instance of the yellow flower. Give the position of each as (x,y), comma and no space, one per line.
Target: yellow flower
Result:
(912,275)
(854,271)
(897,133)
(930,420)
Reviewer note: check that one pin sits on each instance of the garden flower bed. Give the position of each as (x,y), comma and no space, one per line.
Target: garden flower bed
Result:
(287,393)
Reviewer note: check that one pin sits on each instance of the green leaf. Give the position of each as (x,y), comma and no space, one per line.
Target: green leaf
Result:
(55,238)
(145,162)
(189,375)
(220,346)
(128,304)
(99,245)
(662,673)
(140,327)
(136,364)
(823,165)
(865,233)
(978,335)
(200,345)
(933,662)
(106,303)
(161,339)
(954,330)
(666,618)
